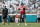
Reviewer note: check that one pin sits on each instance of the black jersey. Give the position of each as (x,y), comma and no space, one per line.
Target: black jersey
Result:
(5,11)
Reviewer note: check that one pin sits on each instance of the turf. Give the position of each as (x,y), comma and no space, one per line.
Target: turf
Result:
(21,25)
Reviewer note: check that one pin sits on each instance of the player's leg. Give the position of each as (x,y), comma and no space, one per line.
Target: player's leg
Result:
(16,20)
(25,19)
(4,20)
(25,22)
(19,22)
(37,20)
(7,19)
(20,19)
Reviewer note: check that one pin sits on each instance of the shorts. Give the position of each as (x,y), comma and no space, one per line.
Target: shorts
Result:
(22,16)
(38,18)
(5,17)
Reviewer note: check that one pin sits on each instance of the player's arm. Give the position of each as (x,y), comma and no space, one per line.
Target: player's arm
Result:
(2,13)
(7,12)
(18,9)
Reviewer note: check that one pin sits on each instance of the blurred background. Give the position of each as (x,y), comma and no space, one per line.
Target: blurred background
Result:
(31,5)
(12,5)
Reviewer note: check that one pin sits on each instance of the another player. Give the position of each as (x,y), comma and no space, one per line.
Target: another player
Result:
(22,12)
(38,15)
(16,18)
(5,14)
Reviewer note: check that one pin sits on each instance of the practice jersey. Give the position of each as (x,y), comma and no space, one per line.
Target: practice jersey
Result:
(22,10)
(5,11)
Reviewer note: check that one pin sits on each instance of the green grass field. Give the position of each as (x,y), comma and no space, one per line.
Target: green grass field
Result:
(21,25)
